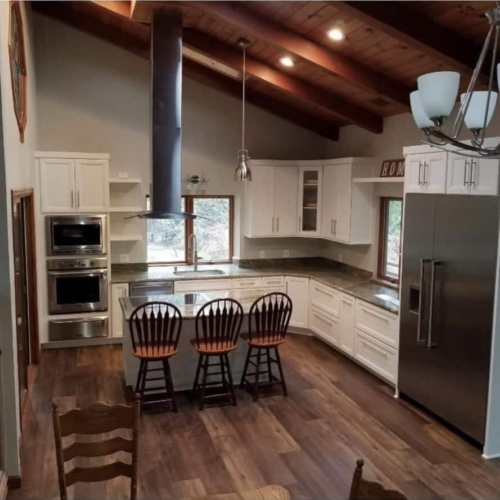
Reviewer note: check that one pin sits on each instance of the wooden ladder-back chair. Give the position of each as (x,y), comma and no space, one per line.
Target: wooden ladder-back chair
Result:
(217,327)
(98,418)
(361,489)
(155,330)
(268,322)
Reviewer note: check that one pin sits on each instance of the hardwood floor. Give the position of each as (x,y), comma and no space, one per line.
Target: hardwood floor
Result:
(309,442)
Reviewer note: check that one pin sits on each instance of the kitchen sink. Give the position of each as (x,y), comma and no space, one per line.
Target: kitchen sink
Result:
(195,274)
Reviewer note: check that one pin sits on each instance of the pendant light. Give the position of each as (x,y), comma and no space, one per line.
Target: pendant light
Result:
(243,170)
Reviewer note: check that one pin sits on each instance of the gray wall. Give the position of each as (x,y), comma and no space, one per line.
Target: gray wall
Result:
(94,97)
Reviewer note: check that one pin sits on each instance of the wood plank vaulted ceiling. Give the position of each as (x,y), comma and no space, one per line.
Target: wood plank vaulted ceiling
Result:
(360,80)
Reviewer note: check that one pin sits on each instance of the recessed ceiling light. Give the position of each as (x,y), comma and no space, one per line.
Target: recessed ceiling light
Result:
(336,34)
(287,61)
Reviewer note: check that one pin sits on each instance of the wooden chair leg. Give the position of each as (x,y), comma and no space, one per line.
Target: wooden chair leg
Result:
(142,390)
(230,376)
(269,368)
(204,383)
(280,368)
(139,377)
(169,384)
(257,375)
(245,368)
(197,376)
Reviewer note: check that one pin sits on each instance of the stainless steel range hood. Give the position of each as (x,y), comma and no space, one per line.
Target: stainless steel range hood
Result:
(166,111)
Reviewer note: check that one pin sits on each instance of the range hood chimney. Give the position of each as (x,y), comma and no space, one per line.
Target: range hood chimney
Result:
(166,108)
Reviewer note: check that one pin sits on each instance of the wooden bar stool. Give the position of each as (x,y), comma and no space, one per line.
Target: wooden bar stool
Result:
(268,321)
(155,329)
(217,327)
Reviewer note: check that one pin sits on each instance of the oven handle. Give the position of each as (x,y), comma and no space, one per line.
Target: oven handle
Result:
(78,272)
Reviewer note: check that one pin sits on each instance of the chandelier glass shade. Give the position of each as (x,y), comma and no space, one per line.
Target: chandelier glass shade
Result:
(432,104)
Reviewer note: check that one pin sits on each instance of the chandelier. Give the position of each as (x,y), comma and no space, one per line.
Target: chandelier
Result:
(433,102)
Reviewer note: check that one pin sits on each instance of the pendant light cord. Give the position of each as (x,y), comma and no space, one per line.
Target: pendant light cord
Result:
(243,105)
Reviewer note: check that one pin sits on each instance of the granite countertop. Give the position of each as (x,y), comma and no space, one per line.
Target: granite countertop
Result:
(358,286)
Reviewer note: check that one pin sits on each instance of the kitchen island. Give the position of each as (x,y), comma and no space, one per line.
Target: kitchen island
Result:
(183,364)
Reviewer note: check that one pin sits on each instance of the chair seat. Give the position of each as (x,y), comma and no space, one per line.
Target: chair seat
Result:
(153,352)
(263,340)
(213,347)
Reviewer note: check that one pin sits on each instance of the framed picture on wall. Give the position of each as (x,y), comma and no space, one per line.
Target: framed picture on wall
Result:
(17,60)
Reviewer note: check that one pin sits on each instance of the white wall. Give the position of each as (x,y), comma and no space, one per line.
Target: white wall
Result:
(94,97)
(16,160)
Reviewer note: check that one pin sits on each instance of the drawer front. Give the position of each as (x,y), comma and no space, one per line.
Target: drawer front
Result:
(377,356)
(324,325)
(202,285)
(325,298)
(82,328)
(377,323)
(273,282)
(247,283)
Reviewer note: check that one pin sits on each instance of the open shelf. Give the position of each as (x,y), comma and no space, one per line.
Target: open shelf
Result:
(375,180)
(125,237)
(126,209)
(128,180)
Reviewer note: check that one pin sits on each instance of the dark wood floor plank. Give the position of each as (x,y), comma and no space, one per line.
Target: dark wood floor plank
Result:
(308,442)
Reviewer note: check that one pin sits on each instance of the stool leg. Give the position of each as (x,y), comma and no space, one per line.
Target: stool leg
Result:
(257,375)
(197,376)
(204,383)
(169,383)
(245,368)
(139,377)
(143,380)
(230,376)
(280,368)
(269,369)
(223,372)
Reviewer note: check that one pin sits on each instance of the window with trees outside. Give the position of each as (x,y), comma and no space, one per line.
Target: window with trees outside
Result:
(168,238)
(391,217)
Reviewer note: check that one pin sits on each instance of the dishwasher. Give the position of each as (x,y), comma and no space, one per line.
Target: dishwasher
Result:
(149,288)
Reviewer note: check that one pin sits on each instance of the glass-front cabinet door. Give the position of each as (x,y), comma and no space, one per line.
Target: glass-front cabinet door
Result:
(310,201)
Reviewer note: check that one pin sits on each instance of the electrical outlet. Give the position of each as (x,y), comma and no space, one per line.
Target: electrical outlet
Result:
(262,254)
(123,258)
(286,253)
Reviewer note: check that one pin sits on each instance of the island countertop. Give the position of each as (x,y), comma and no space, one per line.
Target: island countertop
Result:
(190,303)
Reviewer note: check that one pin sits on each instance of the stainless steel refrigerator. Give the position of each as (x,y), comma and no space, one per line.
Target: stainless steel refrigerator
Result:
(449,265)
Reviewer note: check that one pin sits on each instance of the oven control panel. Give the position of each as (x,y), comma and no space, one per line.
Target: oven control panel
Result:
(70,264)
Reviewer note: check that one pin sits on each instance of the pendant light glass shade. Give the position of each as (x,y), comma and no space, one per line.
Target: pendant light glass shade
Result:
(476,112)
(438,93)
(421,119)
(243,171)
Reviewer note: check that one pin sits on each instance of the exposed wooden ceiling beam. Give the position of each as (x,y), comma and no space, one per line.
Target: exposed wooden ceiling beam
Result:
(417,31)
(123,8)
(87,22)
(326,101)
(279,36)
(281,109)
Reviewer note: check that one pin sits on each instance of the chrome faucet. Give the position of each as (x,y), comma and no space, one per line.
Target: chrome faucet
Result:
(193,249)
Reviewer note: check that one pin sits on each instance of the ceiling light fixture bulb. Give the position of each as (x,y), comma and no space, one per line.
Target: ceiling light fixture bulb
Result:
(336,34)
(287,61)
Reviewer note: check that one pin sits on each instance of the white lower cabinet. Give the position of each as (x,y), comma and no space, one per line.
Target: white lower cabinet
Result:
(377,356)
(118,291)
(325,298)
(298,290)
(324,325)
(346,336)
(377,323)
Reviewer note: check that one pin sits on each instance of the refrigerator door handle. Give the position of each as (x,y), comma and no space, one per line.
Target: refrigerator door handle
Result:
(421,302)
(434,264)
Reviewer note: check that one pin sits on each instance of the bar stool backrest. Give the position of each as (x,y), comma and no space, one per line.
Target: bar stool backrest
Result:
(269,318)
(154,326)
(218,324)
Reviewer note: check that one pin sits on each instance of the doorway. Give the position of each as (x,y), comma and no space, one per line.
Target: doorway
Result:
(25,283)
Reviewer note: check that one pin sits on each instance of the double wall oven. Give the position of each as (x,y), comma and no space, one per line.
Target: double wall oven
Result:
(77,276)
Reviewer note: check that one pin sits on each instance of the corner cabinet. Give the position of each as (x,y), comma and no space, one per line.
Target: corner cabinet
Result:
(310,186)
(69,183)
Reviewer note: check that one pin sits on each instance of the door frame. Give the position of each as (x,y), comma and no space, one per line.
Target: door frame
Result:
(31,269)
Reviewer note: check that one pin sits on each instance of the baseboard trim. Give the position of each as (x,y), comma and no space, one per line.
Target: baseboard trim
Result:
(490,457)
(14,482)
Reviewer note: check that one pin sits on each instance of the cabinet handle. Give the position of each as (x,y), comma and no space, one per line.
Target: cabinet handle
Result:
(323,292)
(331,226)
(426,172)
(277,224)
(374,349)
(466,182)
(78,199)
(72,199)
(335,226)
(473,173)
(300,223)
(346,301)
(371,313)
(275,282)
(419,173)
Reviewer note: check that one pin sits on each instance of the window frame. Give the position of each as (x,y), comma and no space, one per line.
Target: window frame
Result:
(189,228)
(382,238)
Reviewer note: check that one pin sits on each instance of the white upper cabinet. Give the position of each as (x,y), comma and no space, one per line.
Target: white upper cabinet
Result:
(57,185)
(286,201)
(271,200)
(426,173)
(310,181)
(484,176)
(458,174)
(92,185)
(347,206)
(74,185)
